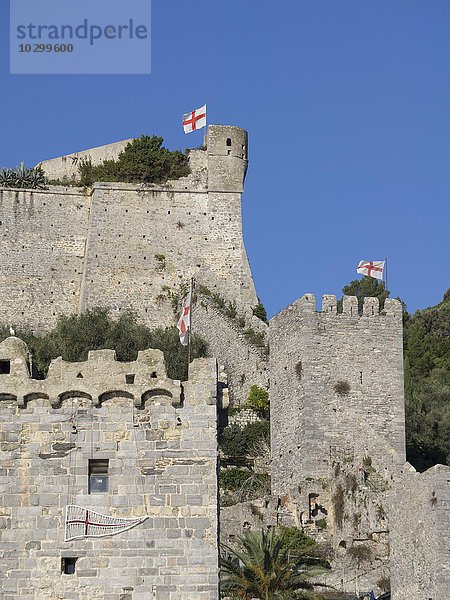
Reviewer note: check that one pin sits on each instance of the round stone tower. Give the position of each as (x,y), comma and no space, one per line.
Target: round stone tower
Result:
(227,149)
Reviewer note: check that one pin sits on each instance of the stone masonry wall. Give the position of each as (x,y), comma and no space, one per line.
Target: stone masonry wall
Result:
(43,240)
(123,245)
(244,363)
(330,372)
(66,167)
(419,510)
(160,439)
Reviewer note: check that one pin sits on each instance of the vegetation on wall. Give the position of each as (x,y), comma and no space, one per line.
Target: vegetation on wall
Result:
(23,178)
(144,160)
(229,309)
(260,312)
(258,400)
(239,441)
(75,335)
(241,485)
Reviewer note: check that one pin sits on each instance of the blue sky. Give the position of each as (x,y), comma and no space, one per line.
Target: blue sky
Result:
(347,104)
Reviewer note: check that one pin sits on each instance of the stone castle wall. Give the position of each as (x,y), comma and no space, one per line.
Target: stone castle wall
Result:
(161,443)
(122,245)
(419,510)
(330,372)
(245,363)
(66,167)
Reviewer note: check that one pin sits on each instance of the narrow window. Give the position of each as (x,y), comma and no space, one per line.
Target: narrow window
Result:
(5,367)
(68,565)
(228,141)
(98,476)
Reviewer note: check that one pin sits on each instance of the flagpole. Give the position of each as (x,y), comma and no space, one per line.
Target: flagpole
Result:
(190,324)
(386,275)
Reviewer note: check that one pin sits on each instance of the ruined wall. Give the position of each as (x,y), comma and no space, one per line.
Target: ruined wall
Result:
(420,534)
(331,374)
(123,245)
(161,444)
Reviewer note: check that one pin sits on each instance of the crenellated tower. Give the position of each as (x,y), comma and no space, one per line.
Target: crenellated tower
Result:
(336,386)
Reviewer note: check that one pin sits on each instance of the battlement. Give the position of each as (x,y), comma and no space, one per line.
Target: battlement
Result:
(307,304)
(101,377)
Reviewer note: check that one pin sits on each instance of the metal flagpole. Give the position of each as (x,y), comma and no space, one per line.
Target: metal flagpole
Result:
(190,323)
(385,276)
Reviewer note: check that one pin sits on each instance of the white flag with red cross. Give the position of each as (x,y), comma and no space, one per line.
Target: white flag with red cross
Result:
(371,268)
(194,120)
(184,322)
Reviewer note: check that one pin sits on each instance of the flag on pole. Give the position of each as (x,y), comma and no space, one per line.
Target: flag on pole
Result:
(194,120)
(184,322)
(371,268)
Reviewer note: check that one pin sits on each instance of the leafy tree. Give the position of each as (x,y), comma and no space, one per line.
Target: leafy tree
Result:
(75,335)
(144,160)
(427,385)
(366,287)
(263,567)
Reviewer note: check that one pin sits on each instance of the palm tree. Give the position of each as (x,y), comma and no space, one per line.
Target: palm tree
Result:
(262,567)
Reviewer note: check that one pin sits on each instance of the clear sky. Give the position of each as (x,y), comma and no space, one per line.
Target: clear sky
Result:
(347,104)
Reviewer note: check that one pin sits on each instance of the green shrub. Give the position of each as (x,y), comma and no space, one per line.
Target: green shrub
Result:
(144,160)
(256,338)
(218,300)
(233,478)
(301,546)
(260,312)
(239,441)
(74,336)
(258,400)
(321,523)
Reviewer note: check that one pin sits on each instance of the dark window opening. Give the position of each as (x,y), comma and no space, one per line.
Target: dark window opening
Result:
(5,367)
(228,141)
(129,378)
(98,476)
(154,375)
(80,376)
(68,565)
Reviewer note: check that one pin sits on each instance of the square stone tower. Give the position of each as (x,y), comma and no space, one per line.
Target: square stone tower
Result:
(336,387)
(108,479)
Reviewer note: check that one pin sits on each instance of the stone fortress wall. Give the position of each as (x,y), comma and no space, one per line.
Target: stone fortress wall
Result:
(124,246)
(333,376)
(65,168)
(419,509)
(336,392)
(160,440)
